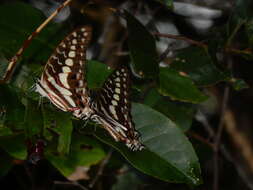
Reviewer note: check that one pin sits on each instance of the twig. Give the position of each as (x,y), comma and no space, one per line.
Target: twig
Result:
(70,183)
(203,45)
(204,121)
(200,138)
(218,139)
(239,139)
(164,54)
(177,37)
(15,58)
(101,169)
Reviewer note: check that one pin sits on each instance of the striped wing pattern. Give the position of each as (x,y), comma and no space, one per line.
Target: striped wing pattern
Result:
(112,108)
(63,79)
(63,82)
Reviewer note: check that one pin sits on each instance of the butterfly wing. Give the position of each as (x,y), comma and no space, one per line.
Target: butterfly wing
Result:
(113,109)
(63,81)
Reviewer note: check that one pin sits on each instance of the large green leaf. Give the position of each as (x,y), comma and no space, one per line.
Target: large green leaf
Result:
(14,145)
(199,65)
(33,119)
(14,109)
(168,155)
(97,73)
(179,112)
(60,123)
(142,48)
(84,151)
(17,22)
(179,87)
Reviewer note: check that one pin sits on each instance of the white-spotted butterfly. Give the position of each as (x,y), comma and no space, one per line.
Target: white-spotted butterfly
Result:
(63,82)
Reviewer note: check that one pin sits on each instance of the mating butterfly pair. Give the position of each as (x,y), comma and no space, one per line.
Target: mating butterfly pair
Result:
(63,82)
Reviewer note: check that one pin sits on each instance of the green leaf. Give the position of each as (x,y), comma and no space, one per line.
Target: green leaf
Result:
(243,9)
(241,15)
(33,119)
(168,156)
(142,48)
(17,22)
(61,124)
(179,87)
(84,151)
(168,3)
(14,109)
(14,145)
(238,84)
(198,64)
(5,131)
(179,112)
(96,74)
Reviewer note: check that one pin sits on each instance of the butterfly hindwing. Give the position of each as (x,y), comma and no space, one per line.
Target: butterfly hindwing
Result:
(63,79)
(114,108)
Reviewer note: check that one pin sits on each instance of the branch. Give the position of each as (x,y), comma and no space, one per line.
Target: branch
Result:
(227,122)
(203,45)
(177,37)
(27,42)
(101,169)
(217,139)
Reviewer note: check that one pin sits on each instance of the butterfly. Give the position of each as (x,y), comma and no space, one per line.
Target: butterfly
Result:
(64,83)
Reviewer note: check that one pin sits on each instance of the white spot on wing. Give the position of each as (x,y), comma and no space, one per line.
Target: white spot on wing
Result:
(80,83)
(115,103)
(117,79)
(74,41)
(66,69)
(72,54)
(113,111)
(63,78)
(116,97)
(59,88)
(69,62)
(117,90)
(73,47)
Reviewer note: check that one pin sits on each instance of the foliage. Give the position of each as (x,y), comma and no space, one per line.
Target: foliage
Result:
(167,97)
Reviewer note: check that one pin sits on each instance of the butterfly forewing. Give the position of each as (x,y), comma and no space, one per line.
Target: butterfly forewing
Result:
(113,107)
(63,79)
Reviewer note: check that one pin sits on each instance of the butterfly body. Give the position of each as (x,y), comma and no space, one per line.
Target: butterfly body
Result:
(63,82)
